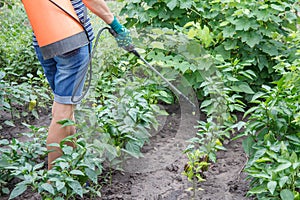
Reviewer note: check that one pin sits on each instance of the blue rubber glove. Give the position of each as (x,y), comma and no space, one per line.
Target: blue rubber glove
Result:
(122,35)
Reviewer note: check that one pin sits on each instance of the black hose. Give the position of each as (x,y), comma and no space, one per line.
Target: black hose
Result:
(91,54)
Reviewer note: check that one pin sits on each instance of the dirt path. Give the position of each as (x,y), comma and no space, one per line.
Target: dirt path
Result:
(158,176)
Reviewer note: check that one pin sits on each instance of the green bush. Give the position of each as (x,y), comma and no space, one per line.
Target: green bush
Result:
(23,86)
(245,44)
(120,118)
(75,173)
(114,121)
(17,56)
(273,134)
(252,32)
(21,160)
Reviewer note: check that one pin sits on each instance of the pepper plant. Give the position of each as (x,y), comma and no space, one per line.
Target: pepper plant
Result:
(273,134)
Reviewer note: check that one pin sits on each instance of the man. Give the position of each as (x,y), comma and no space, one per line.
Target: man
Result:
(62,71)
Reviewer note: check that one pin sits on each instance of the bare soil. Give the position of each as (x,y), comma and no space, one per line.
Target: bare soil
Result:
(158,176)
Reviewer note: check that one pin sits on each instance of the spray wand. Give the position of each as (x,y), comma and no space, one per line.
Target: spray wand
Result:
(130,48)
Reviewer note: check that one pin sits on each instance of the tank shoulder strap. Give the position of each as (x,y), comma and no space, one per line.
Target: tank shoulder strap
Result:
(84,15)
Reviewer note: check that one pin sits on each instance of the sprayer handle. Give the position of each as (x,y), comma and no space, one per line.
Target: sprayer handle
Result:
(131,49)
(123,39)
(112,32)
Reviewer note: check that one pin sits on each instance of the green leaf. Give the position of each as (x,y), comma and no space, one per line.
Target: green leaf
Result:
(133,149)
(293,157)
(228,32)
(272,186)
(283,180)
(48,187)
(17,191)
(258,190)
(242,87)
(206,103)
(9,123)
(246,88)
(248,73)
(111,150)
(263,159)
(293,138)
(172,4)
(59,185)
(53,145)
(229,45)
(5,190)
(242,24)
(257,96)
(76,187)
(212,157)
(133,112)
(2,74)
(277,7)
(205,36)
(4,142)
(291,17)
(259,153)
(68,150)
(261,175)
(38,166)
(286,194)
(296,165)
(91,174)
(224,23)
(157,45)
(7,105)
(247,145)
(251,38)
(129,121)
(269,49)
(77,172)
(185,4)
(262,15)
(282,167)
(66,122)
(64,165)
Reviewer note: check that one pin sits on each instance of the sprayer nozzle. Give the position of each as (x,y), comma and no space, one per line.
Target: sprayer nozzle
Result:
(135,53)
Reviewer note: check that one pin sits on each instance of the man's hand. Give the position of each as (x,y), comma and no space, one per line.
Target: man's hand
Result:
(122,35)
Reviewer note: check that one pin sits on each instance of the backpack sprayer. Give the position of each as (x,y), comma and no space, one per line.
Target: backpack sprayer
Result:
(56,26)
(58,30)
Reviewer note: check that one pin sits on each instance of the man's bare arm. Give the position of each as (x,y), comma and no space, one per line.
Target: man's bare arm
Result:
(100,8)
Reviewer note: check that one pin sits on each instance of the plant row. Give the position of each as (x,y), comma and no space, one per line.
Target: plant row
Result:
(240,57)
(113,122)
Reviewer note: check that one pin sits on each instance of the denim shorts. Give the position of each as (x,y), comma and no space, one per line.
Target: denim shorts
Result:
(66,73)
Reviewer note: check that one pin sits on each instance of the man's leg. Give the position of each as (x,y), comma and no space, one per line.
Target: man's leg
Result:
(63,73)
(56,131)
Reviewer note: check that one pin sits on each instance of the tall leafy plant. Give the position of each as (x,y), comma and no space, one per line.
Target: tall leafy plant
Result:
(249,31)
(23,86)
(17,56)
(273,135)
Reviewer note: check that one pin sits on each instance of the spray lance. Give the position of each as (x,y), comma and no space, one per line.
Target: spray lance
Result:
(131,49)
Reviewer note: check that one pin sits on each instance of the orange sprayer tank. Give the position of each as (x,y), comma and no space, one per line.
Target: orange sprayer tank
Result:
(55,31)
